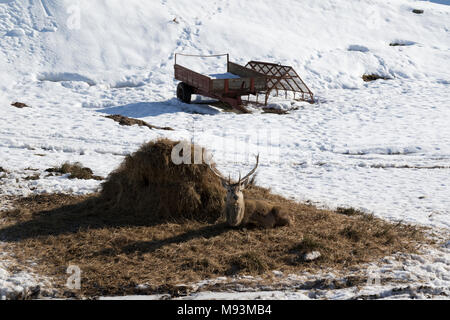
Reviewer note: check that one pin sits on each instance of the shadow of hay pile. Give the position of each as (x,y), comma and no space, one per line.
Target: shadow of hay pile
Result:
(149,183)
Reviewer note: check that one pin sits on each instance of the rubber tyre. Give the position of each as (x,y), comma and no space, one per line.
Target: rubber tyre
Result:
(184,92)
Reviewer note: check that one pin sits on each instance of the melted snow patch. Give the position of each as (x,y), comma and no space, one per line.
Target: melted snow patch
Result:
(19,285)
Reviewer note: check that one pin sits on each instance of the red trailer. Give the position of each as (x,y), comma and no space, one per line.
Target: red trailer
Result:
(229,87)
(253,79)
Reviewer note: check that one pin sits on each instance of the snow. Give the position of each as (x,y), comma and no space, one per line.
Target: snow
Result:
(18,285)
(15,33)
(312,256)
(226,75)
(381,147)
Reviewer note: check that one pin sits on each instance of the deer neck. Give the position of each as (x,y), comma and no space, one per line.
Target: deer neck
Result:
(235,212)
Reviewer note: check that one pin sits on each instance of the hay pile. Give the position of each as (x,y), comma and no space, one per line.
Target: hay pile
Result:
(149,183)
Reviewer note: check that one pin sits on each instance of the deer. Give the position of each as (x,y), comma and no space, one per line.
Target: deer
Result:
(242,212)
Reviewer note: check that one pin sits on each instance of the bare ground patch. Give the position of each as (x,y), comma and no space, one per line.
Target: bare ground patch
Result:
(373,77)
(75,171)
(402,43)
(125,121)
(116,251)
(20,105)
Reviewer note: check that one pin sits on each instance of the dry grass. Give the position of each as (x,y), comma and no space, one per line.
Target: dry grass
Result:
(161,224)
(349,211)
(149,184)
(373,77)
(75,171)
(125,121)
(117,252)
(225,107)
(20,105)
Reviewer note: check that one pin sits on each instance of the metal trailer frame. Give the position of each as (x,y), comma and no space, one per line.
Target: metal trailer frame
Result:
(283,78)
(228,91)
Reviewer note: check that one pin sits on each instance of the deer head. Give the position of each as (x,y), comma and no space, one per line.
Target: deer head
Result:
(235,205)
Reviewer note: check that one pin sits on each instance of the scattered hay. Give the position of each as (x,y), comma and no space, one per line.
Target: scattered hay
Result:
(373,77)
(352,233)
(249,262)
(125,121)
(201,265)
(148,183)
(305,246)
(117,252)
(418,11)
(3,170)
(76,171)
(151,223)
(349,211)
(20,105)
(223,106)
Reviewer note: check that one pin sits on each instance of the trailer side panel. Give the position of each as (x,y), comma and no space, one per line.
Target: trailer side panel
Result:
(192,78)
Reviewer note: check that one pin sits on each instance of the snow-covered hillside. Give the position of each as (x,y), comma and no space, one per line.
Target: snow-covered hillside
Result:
(331,43)
(381,146)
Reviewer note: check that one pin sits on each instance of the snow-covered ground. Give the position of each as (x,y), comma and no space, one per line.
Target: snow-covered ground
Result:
(382,146)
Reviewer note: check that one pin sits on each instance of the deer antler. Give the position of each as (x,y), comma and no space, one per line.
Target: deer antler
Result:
(251,172)
(224,180)
(216,173)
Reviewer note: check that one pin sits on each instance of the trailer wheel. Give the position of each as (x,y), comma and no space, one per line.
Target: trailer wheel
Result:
(184,92)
